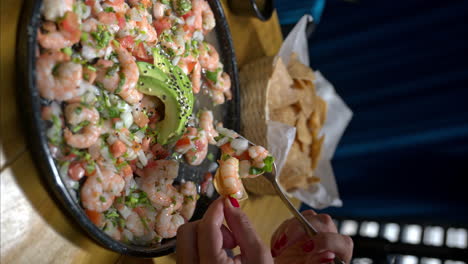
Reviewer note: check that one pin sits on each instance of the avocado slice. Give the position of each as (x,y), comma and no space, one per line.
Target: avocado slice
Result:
(173,87)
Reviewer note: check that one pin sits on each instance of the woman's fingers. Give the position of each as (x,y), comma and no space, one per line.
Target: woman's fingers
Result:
(187,251)
(252,248)
(329,244)
(210,238)
(229,241)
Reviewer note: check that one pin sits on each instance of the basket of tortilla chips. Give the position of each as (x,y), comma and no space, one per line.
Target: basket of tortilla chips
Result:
(274,91)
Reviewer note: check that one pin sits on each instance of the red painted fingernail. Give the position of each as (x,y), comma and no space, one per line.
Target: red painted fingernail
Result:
(326,260)
(273,253)
(308,246)
(282,241)
(234,202)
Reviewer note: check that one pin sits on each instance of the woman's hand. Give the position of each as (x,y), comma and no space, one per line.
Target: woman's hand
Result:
(290,243)
(205,240)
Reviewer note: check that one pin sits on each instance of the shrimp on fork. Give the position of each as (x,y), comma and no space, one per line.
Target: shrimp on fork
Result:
(227,179)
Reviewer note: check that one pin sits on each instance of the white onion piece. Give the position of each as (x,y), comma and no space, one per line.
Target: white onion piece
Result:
(222,141)
(111,139)
(119,125)
(125,139)
(125,211)
(142,157)
(240,145)
(127,119)
(129,235)
(139,135)
(227,132)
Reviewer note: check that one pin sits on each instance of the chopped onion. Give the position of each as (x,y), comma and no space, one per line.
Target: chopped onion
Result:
(127,119)
(106,154)
(135,15)
(149,156)
(119,125)
(111,139)
(129,235)
(176,60)
(198,36)
(131,155)
(190,20)
(125,139)
(227,132)
(240,145)
(222,141)
(139,135)
(125,211)
(142,157)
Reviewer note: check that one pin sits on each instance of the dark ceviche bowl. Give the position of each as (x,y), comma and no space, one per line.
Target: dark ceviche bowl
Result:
(29,98)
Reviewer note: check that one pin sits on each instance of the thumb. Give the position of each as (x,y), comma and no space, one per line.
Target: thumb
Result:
(252,248)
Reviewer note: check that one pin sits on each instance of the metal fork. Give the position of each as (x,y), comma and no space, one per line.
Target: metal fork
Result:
(310,230)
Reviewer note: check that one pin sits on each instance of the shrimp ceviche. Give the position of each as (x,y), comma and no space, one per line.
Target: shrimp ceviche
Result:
(119,80)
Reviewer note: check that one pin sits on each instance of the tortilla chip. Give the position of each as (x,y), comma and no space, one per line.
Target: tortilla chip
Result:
(279,91)
(299,71)
(291,178)
(314,122)
(302,131)
(307,97)
(287,115)
(316,150)
(321,107)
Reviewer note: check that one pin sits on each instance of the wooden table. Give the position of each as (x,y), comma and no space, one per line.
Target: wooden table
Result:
(33,228)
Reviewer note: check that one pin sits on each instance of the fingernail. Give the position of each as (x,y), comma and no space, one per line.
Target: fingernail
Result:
(273,253)
(308,246)
(281,242)
(234,201)
(328,257)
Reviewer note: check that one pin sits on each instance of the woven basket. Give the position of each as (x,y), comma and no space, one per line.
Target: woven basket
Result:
(254,78)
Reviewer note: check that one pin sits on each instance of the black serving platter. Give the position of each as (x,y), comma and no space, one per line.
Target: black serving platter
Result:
(29,104)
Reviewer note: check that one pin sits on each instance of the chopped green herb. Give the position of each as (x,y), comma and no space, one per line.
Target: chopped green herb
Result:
(210,156)
(181,6)
(213,76)
(122,81)
(218,138)
(166,2)
(90,167)
(109,9)
(102,37)
(255,171)
(225,157)
(84,36)
(78,110)
(80,126)
(91,68)
(268,161)
(102,199)
(67,50)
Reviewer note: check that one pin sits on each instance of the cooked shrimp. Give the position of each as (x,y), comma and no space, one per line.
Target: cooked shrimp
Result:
(157,191)
(163,170)
(195,77)
(141,223)
(129,69)
(189,190)
(119,6)
(228,179)
(75,114)
(206,123)
(167,223)
(258,154)
(209,57)
(58,78)
(98,191)
(54,9)
(208,20)
(174,41)
(68,34)
(110,81)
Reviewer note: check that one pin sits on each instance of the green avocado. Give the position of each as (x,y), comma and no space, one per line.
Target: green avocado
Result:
(173,87)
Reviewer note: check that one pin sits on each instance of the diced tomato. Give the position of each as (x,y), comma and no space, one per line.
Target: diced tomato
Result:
(70,156)
(133,164)
(151,164)
(141,54)
(162,24)
(121,20)
(191,65)
(115,120)
(118,148)
(70,22)
(127,42)
(184,141)
(90,2)
(188,14)
(95,217)
(243,156)
(227,149)
(76,171)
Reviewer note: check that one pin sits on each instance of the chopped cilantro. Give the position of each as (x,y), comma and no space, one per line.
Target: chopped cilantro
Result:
(122,81)
(84,36)
(109,9)
(102,199)
(210,156)
(91,68)
(268,161)
(78,110)
(182,6)
(67,50)
(111,71)
(213,76)
(102,37)
(80,126)
(255,171)
(225,157)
